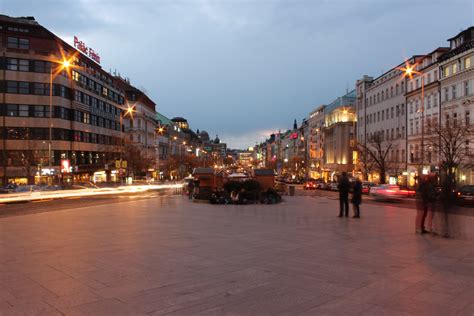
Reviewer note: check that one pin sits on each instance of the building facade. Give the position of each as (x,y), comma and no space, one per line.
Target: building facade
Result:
(456,68)
(315,143)
(64,132)
(423,107)
(339,136)
(381,113)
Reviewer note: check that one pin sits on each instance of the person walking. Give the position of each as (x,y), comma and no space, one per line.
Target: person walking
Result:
(357,197)
(425,198)
(190,189)
(343,188)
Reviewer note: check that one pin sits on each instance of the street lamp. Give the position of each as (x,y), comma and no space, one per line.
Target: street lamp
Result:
(409,71)
(126,111)
(62,64)
(159,131)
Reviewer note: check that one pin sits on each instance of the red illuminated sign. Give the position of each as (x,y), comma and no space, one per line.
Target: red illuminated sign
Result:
(65,166)
(89,52)
(294,136)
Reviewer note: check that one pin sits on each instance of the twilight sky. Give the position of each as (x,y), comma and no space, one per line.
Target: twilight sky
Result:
(245,68)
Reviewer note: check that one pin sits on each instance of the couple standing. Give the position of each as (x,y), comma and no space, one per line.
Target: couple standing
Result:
(344,187)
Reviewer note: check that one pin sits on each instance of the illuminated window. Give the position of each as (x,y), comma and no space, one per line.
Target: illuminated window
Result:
(446,71)
(467,62)
(455,68)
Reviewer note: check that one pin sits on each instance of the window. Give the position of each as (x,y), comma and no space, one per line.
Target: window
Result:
(41,88)
(398,110)
(466,88)
(455,68)
(18,64)
(75,76)
(86,118)
(446,94)
(417,124)
(403,131)
(94,120)
(397,89)
(378,116)
(468,117)
(24,87)
(12,110)
(416,84)
(453,91)
(467,62)
(429,78)
(78,116)
(42,66)
(446,71)
(23,110)
(12,87)
(39,111)
(428,106)
(383,115)
(455,119)
(139,138)
(20,43)
(435,75)
(12,64)
(447,120)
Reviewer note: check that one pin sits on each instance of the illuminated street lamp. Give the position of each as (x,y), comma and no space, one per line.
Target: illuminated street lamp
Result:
(62,64)
(126,111)
(409,71)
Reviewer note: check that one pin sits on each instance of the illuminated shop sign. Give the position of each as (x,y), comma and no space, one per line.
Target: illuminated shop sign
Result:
(89,52)
(294,136)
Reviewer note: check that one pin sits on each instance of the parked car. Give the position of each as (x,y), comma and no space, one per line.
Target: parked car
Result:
(465,195)
(310,185)
(390,192)
(321,185)
(366,186)
(26,188)
(333,186)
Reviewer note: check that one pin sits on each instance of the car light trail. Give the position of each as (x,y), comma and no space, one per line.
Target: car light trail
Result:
(60,194)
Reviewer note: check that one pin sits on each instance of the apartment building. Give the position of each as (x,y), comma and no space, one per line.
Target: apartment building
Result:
(456,68)
(381,112)
(423,108)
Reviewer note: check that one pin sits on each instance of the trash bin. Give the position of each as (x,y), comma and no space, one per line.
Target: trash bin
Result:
(291,188)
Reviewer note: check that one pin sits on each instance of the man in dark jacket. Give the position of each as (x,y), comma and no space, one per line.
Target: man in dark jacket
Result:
(357,198)
(344,187)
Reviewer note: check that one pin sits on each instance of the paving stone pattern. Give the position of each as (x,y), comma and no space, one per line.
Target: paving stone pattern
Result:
(170,256)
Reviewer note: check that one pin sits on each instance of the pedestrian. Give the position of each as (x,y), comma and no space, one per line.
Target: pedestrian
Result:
(343,188)
(190,189)
(425,200)
(357,197)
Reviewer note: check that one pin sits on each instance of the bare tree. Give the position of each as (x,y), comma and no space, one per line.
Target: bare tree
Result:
(365,161)
(377,154)
(451,142)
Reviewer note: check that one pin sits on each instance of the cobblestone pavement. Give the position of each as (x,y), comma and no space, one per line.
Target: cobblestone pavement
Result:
(168,255)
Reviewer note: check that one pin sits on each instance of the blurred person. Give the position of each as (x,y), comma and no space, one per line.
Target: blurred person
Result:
(343,188)
(357,197)
(425,201)
(190,189)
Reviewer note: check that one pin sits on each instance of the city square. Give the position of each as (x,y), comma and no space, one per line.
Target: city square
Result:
(237,157)
(169,255)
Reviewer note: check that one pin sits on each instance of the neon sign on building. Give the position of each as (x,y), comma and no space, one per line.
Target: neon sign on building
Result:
(89,52)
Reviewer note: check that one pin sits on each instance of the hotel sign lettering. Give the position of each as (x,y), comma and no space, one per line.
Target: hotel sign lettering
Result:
(89,52)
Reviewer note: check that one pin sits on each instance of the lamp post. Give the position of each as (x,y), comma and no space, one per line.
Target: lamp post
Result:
(63,64)
(128,111)
(159,131)
(409,71)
